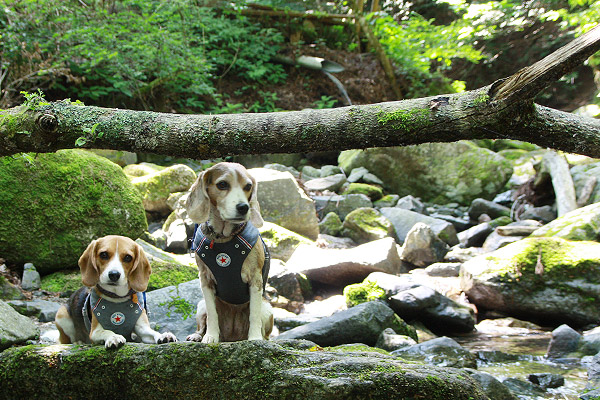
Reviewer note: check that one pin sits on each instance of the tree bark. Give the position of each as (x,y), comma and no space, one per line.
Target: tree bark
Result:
(562,182)
(504,109)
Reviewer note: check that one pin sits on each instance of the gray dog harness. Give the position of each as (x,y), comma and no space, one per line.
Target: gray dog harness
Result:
(225,261)
(117,317)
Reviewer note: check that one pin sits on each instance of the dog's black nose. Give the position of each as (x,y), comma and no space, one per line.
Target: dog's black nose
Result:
(242,208)
(114,275)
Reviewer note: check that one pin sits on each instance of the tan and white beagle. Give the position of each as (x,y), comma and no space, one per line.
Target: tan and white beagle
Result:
(231,257)
(114,270)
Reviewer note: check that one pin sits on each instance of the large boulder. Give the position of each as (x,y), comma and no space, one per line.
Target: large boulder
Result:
(53,206)
(284,203)
(436,172)
(360,324)
(580,224)
(422,247)
(14,328)
(157,187)
(404,220)
(168,269)
(548,280)
(245,370)
(341,267)
(280,241)
(365,225)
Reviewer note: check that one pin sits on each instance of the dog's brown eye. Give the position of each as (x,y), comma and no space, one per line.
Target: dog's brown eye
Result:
(222,185)
(127,258)
(248,187)
(104,255)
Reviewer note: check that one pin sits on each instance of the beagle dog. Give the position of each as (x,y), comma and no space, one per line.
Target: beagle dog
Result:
(233,261)
(111,306)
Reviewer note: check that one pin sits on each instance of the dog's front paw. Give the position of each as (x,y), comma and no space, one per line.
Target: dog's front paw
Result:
(194,337)
(256,337)
(210,339)
(114,342)
(166,338)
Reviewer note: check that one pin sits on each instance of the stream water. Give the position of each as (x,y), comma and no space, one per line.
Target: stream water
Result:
(511,352)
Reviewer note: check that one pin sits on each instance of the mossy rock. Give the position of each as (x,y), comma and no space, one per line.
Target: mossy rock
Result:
(8,291)
(363,292)
(168,274)
(245,370)
(365,225)
(141,169)
(157,187)
(55,205)
(580,224)
(435,172)
(63,282)
(331,224)
(373,192)
(547,280)
(281,242)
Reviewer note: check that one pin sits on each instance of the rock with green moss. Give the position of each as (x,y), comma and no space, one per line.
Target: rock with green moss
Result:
(63,283)
(580,224)
(8,291)
(168,269)
(59,202)
(404,220)
(363,292)
(14,328)
(547,280)
(246,370)
(435,172)
(142,169)
(331,224)
(365,225)
(373,192)
(281,242)
(360,324)
(157,187)
(389,200)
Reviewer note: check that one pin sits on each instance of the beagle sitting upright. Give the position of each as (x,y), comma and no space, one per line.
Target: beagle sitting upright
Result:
(111,307)
(233,261)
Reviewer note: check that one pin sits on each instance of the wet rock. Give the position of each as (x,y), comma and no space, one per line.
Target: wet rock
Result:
(345,266)
(331,183)
(422,247)
(331,224)
(361,324)
(342,205)
(389,340)
(481,206)
(364,225)
(520,388)
(546,380)
(246,369)
(580,224)
(404,220)
(31,278)
(543,279)
(14,327)
(442,352)
(282,202)
(492,387)
(564,340)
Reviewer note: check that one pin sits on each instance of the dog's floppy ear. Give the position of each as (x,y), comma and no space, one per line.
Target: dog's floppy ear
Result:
(140,272)
(87,263)
(255,217)
(198,203)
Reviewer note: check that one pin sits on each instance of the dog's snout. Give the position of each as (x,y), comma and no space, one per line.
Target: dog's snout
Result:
(114,275)
(242,208)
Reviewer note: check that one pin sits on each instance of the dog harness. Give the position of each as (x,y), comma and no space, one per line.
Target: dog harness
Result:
(225,261)
(117,317)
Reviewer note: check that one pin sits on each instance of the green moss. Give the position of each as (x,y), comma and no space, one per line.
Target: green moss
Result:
(404,119)
(360,348)
(168,274)
(481,99)
(366,224)
(331,224)
(373,192)
(363,292)
(64,282)
(500,221)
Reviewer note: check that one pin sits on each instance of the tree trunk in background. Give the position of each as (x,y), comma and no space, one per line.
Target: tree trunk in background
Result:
(562,182)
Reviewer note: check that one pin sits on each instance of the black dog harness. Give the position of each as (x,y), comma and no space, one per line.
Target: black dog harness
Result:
(225,261)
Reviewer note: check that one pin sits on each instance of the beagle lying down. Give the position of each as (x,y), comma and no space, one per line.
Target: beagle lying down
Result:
(111,307)
(232,259)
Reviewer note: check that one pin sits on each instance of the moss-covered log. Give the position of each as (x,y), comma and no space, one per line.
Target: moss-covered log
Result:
(504,109)
(242,370)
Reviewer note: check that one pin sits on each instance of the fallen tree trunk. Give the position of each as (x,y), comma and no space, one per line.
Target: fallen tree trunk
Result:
(504,109)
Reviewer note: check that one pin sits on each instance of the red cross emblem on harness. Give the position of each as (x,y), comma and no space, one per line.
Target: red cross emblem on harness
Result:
(223,260)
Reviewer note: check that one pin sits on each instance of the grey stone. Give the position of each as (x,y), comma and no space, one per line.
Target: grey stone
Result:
(564,340)
(523,388)
(404,220)
(155,188)
(177,237)
(546,380)
(590,342)
(580,224)
(331,224)
(342,205)
(422,247)
(482,206)
(341,267)
(328,170)
(43,310)
(476,235)
(173,308)
(411,203)
(356,174)
(14,327)
(460,223)
(284,203)
(443,269)
(389,340)
(309,172)
(283,168)
(442,351)
(361,324)
(365,225)
(287,283)
(8,291)
(372,179)
(495,389)
(494,241)
(331,183)
(544,214)
(389,200)
(31,278)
